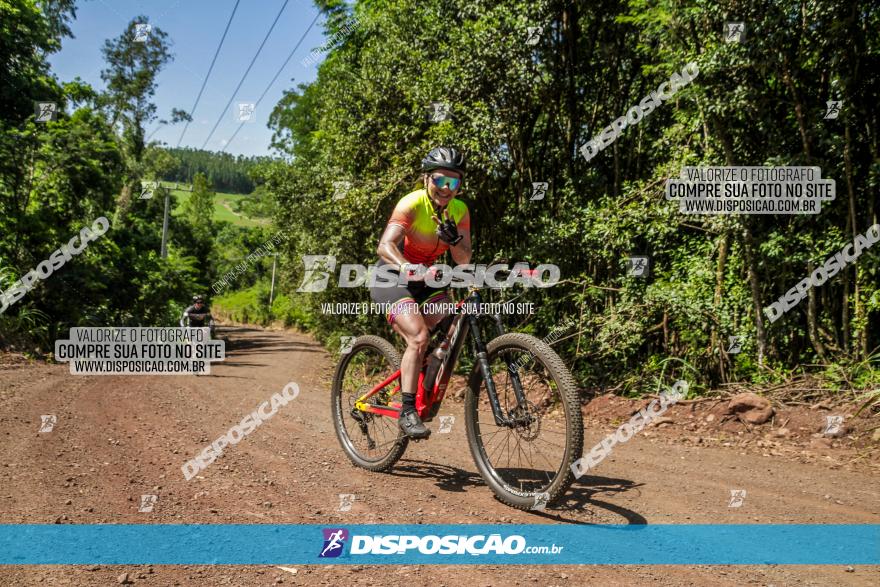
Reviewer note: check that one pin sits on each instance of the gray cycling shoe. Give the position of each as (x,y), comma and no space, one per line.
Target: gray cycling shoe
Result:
(412,425)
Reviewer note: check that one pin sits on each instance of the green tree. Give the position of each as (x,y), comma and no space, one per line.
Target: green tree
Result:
(134,60)
(199,209)
(58,176)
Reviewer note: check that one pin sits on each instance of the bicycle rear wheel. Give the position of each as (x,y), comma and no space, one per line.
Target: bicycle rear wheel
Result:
(528,463)
(371,441)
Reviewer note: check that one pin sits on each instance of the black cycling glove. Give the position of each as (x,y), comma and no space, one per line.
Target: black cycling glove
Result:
(448,233)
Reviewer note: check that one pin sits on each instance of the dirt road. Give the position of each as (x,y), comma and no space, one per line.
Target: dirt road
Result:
(119,437)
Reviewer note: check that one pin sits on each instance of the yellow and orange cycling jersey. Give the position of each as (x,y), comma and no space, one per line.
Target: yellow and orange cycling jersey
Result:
(414,213)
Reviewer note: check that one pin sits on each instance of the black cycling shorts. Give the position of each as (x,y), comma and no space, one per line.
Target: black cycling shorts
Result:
(407,297)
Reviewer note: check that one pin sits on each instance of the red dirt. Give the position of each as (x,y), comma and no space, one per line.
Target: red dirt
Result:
(119,437)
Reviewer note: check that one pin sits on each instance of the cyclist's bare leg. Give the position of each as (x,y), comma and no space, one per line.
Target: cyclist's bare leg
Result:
(432,319)
(411,326)
(414,328)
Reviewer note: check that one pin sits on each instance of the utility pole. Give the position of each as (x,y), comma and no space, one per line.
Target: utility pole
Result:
(164,251)
(272,289)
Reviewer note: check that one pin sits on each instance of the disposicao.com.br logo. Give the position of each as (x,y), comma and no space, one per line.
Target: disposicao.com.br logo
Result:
(393,544)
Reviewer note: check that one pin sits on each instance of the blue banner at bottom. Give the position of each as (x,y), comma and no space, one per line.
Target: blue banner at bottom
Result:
(270,544)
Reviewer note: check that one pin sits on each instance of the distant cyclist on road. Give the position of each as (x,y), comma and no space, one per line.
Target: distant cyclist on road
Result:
(198,315)
(424,225)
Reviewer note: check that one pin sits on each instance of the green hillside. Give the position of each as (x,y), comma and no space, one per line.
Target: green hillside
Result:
(224,206)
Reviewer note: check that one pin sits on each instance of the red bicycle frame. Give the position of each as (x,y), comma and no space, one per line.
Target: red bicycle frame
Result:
(425,406)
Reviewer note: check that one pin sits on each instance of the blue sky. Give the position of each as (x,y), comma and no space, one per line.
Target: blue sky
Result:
(194,30)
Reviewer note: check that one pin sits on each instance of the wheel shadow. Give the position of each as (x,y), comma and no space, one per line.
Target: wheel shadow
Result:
(445,477)
(578,499)
(582,495)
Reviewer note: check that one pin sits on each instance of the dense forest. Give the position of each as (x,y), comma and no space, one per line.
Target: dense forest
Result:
(62,172)
(522,103)
(226,173)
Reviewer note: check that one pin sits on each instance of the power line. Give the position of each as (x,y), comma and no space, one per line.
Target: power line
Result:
(205,81)
(238,87)
(150,136)
(271,83)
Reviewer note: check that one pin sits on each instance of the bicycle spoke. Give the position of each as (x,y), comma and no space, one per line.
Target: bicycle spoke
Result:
(546,474)
(508,451)
(500,429)
(559,446)
(518,452)
(500,444)
(551,463)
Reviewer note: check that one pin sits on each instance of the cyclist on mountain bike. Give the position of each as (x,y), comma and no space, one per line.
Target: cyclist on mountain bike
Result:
(424,225)
(197,315)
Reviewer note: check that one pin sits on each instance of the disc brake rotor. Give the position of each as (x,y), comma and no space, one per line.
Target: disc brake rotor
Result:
(527,421)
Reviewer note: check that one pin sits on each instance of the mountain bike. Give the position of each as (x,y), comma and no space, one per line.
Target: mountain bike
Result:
(522,413)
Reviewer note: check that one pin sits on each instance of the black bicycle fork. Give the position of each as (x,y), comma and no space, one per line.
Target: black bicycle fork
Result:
(482,358)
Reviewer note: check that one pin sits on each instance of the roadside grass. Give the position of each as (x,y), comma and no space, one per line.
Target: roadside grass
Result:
(251,306)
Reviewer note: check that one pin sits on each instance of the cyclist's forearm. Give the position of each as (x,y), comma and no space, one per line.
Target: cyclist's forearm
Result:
(388,250)
(461,253)
(389,253)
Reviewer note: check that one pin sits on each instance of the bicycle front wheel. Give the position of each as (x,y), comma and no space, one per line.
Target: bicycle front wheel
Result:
(526,462)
